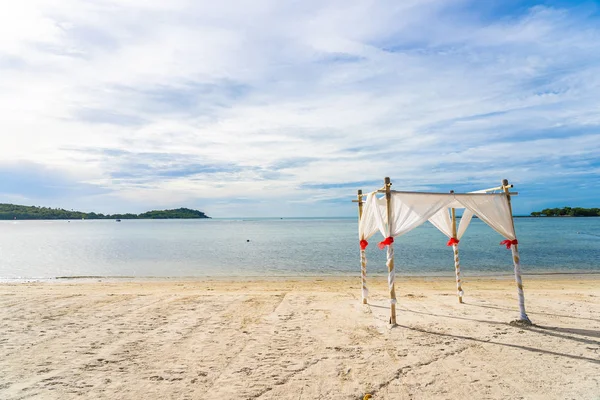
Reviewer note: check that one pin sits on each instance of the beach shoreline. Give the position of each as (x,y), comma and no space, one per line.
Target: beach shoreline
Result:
(299,337)
(579,275)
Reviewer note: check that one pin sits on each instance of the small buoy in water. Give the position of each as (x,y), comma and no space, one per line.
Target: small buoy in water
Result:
(247,240)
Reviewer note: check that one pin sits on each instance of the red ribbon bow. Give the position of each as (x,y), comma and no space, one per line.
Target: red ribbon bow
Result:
(363,244)
(452,242)
(509,243)
(388,240)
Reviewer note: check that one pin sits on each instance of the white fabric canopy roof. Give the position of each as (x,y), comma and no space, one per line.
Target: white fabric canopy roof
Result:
(409,210)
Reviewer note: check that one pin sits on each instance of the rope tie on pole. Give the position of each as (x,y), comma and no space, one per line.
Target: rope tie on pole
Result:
(459,290)
(517,263)
(363,271)
(454,243)
(392,272)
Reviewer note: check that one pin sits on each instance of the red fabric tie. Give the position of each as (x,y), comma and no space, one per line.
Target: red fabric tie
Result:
(388,240)
(509,243)
(363,244)
(452,242)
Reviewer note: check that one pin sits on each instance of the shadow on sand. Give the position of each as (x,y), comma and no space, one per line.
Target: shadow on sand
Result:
(542,330)
(533,312)
(515,346)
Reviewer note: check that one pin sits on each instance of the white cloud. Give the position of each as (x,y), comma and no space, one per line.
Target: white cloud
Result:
(259,100)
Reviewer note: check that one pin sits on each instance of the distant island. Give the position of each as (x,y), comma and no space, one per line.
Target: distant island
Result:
(567,212)
(14,211)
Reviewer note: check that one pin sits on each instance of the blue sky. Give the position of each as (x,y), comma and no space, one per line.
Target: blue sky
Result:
(274,108)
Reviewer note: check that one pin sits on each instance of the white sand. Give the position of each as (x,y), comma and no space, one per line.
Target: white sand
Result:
(299,339)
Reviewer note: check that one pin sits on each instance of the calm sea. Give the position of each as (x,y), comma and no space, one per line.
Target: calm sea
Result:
(279,247)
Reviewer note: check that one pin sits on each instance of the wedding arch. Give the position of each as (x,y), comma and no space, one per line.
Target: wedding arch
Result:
(398,212)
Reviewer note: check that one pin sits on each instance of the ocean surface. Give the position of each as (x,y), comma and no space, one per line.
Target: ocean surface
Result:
(280,247)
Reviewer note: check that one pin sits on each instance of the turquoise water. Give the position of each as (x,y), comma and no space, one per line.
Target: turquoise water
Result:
(197,248)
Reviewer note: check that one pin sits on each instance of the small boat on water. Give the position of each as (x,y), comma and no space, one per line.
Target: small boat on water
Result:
(118,220)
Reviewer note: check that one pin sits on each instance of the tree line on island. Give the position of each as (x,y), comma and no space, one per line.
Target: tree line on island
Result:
(13,211)
(567,212)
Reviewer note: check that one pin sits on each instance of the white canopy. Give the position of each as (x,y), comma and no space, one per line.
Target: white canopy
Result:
(409,210)
(404,211)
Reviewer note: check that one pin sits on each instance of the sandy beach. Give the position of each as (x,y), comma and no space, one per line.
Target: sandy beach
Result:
(299,338)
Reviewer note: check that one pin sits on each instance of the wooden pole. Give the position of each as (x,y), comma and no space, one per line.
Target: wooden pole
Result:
(516,259)
(390,253)
(501,187)
(456,259)
(363,258)
(360,204)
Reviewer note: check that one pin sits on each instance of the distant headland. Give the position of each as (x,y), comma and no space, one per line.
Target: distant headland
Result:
(14,211)
(567,212)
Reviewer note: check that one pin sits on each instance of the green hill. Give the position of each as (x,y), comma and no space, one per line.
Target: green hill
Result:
(567,212)
(14,211)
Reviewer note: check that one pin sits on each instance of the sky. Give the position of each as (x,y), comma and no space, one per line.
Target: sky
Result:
(277,108)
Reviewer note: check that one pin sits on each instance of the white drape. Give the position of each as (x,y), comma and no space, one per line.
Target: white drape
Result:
(413,209)
(443,221)
(375,208)
(493,209)
(465,220)
(366,228)
(409,210)
(369,222)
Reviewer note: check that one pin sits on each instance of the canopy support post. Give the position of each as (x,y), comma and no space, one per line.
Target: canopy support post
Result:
(363,255)
(516,260)
(459,290)
(390,253)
